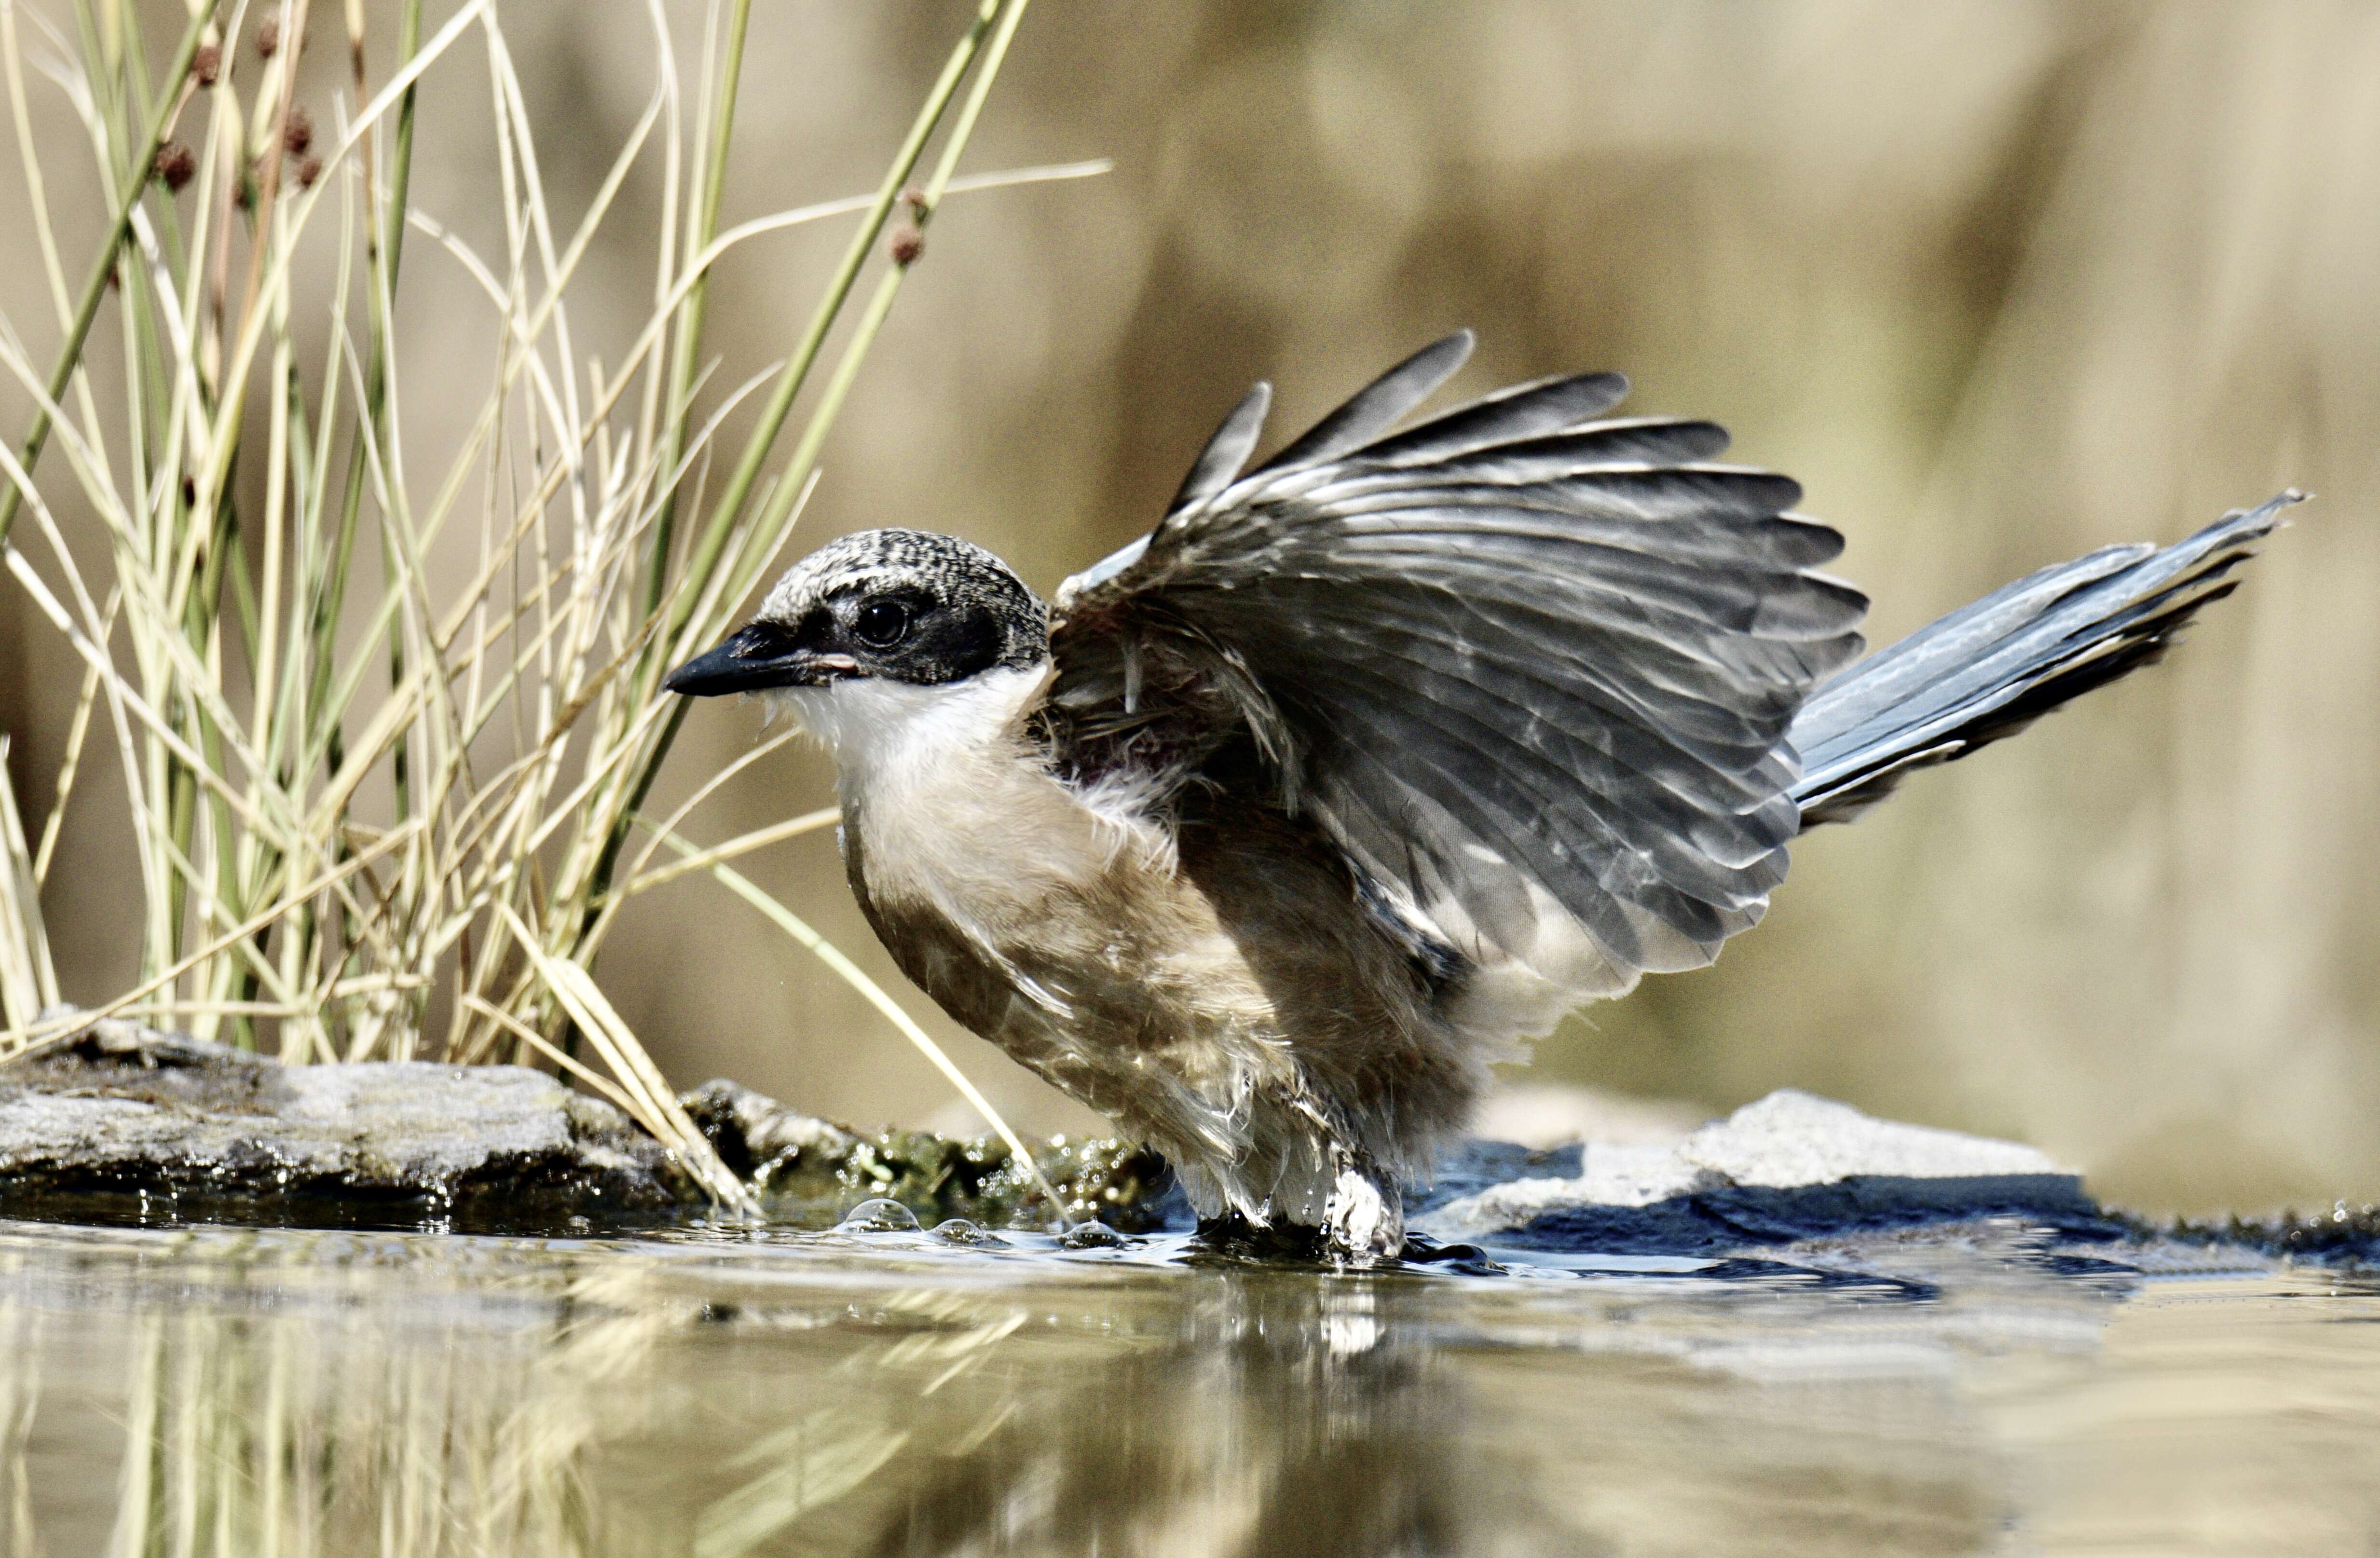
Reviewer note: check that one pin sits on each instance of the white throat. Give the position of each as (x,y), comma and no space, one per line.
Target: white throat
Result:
(900,736)
(951,807)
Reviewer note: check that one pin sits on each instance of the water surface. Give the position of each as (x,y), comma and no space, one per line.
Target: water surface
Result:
(1983,1389)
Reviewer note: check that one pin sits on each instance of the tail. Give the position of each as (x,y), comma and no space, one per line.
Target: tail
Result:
(1989,669)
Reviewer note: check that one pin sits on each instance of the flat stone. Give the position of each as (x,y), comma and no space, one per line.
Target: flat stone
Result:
(125,1124)
(1794,1139)
(126,1121)
(1788,1167)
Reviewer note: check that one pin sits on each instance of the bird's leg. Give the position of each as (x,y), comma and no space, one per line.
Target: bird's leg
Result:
(1364,1217)
(1362,1214)
(1363,1221)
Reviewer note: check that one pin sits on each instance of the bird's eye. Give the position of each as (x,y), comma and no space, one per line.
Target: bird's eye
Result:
(882,624)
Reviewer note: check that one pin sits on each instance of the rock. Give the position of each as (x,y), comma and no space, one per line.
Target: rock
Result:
(2345,1235)
(1789,1166)
(811,1173)
(748,1129)
(126,1123)
(123,1123)
(1790,1139)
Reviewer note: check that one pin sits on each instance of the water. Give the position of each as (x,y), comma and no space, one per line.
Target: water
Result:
(1981,1389)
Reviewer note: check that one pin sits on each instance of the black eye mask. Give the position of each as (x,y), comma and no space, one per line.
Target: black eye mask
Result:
(907,607)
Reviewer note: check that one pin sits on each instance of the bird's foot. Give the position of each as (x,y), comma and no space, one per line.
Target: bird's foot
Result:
(1239,1236)
(1364,1222)
(1362,1227)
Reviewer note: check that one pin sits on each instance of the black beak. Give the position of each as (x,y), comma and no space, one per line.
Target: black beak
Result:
(757,657)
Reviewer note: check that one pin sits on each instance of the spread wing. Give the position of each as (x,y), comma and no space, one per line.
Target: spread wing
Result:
(1530,668)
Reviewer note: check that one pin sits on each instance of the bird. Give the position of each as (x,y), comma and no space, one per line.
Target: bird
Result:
(1280,825)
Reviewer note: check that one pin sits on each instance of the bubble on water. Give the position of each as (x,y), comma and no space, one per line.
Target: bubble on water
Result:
(1093,1235)
(881,1215)
(958,1229)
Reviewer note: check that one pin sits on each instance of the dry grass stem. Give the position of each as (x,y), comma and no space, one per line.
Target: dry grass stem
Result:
(391,820)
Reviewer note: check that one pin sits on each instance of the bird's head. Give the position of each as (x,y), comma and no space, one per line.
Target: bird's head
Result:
(887,616)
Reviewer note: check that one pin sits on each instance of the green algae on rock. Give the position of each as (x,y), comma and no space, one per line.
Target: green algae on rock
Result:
(808,1173)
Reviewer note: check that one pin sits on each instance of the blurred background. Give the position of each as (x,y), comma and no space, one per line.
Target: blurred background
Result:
(1999,282)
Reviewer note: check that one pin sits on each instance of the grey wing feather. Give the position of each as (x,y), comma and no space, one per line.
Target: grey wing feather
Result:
(1380,406)
(1541,406)
(1220,461)
(1532,672)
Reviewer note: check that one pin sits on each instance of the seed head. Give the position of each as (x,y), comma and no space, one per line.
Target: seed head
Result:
(308,170)
(207,63)
(268,36)
(298,133)
(907,244)
(175,165)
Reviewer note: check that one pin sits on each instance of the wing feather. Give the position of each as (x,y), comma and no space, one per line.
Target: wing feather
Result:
(1507,416)
(1379,405)
(1218,464)
(1606,719)
(1531,671)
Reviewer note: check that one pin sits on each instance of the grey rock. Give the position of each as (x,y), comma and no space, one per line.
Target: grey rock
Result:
(1790,1139)
(811,1173)
(751,1130)
(123,1122)
(1788,1166)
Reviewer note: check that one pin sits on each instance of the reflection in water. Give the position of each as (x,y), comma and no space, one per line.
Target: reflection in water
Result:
(1279,1417)
(242,1394)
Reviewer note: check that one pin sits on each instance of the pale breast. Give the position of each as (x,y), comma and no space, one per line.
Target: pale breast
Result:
(1088,957)
(1207,976)
(1054,923)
